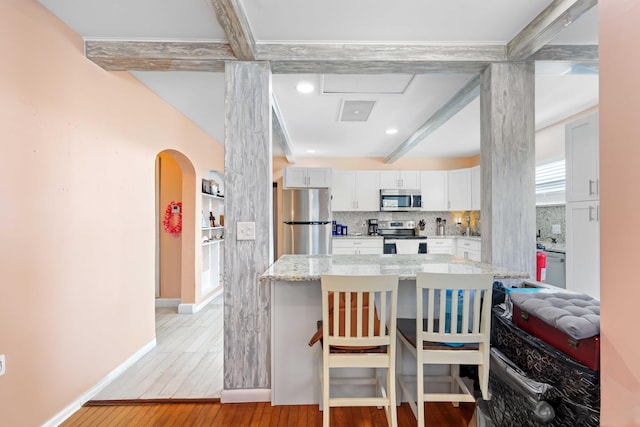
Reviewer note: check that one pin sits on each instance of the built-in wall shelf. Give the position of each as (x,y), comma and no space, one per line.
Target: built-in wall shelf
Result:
(212,242)
(213,247)
(212,196)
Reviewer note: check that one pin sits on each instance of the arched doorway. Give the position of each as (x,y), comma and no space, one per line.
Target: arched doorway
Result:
(175,256)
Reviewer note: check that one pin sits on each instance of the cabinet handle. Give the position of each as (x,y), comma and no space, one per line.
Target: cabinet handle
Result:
(598,213)
(591,183)
(598,186)
(590,216)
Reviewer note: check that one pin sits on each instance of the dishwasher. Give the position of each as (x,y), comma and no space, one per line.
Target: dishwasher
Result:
(556,269)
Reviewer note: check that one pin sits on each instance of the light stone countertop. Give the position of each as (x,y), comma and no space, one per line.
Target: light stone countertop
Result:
(367,236)
(478,238)
(296,268)
(356,236)
(552,247)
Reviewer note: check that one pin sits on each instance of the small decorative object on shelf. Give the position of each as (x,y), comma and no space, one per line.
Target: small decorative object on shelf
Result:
(212,219)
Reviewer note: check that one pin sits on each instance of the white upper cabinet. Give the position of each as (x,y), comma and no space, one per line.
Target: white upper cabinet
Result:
(433,185)
(295,177)
(355,191)
(367,192)
(459,193)
(476,188)
(395,180)
(582,159)
(342,190)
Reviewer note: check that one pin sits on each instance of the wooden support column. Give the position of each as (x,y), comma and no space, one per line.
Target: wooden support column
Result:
(248,198)
(507,163)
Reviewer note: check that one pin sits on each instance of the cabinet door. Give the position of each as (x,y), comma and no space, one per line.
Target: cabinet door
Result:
(319,177)
(295,177)
(389,180)
(367,191)
(583,247)
(459,190)
(342,191)
(582,164)
(476,188)
(344,251)
(440,246)
(410,180)
(433,185)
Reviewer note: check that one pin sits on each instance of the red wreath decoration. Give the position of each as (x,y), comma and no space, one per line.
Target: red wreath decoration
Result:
(173,221)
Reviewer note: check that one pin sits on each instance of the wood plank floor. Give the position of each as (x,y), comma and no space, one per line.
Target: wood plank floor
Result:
(260,414)
(186,362)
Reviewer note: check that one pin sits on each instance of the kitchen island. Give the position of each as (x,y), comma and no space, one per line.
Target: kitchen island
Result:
(296,307)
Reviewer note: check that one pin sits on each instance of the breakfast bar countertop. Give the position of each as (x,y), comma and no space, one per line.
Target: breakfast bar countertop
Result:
(300,268)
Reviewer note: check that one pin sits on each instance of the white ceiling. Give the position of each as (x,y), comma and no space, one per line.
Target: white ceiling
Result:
(312,119)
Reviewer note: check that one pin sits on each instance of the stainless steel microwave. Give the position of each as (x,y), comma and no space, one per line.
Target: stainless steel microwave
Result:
(400,200)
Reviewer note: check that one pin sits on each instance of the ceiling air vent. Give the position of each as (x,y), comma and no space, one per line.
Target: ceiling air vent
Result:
(356,111)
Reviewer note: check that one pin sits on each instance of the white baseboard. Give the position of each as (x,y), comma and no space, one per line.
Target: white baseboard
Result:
(194,308)
(167,302)
(61,416)
(246,395)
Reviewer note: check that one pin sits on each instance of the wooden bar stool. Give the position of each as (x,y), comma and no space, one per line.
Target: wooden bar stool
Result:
(455,331)
(365,337)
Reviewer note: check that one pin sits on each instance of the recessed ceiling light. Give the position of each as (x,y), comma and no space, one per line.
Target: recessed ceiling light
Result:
(391,131)
(311,151)
(305,87)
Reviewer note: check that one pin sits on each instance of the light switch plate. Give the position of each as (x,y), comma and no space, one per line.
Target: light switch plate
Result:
(555,229)
(246,230)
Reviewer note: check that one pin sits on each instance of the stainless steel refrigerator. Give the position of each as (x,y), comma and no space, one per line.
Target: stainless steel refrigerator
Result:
(306,217)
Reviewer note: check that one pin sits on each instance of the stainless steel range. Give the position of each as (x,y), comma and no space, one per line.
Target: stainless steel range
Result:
(400,237)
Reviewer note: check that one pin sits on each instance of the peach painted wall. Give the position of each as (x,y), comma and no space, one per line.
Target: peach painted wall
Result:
(619,203)
(170,245)
(376,163)
(77,178)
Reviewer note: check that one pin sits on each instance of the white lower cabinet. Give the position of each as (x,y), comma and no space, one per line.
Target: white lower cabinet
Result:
(441,246)
(469,249)
(583,247)
(346,246)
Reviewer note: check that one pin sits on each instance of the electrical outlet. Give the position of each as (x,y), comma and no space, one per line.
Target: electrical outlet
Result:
(246,230)
(3,367)
(555,229)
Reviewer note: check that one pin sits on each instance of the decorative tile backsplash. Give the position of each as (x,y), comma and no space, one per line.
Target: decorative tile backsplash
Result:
(546,217)
(357,221)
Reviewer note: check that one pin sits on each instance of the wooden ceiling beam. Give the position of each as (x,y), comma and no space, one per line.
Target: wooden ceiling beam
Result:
(280,133)
(211,56)
(234,22)
(457,102)
(354,52)
(544,27)
(158,56)
(585,54)
(351,58)
(374,67)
